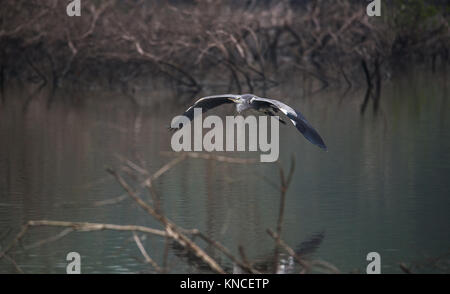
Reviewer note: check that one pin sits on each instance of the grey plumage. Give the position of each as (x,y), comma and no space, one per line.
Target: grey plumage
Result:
(264,105)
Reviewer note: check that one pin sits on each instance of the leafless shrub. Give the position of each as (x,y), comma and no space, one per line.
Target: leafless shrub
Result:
(204,43)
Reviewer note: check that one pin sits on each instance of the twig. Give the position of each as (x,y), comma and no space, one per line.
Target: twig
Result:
(111,201)
(76,226)
(147,182)
(144,253)
(163,169)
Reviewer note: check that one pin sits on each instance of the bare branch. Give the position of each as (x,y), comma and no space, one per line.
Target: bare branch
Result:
(171,229)
(144,253)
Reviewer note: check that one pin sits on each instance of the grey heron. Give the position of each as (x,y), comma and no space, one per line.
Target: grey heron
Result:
(266,106)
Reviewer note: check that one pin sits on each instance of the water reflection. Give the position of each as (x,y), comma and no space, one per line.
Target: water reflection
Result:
(383,185)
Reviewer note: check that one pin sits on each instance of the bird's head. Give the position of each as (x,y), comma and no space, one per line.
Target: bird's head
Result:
(245,98)
(237,100)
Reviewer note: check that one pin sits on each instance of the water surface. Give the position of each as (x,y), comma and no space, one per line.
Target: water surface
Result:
(383,186)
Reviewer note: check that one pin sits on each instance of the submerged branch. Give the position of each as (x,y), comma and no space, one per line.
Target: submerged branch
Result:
(171,229)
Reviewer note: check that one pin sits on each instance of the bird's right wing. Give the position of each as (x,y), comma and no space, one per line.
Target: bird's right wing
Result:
(297,119)
(207,103)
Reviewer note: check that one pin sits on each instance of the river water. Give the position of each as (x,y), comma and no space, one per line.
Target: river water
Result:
(383,186)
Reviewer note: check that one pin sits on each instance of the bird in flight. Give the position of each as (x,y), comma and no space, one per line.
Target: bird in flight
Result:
(266,106)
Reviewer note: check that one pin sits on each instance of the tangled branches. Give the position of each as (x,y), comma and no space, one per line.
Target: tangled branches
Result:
(177,236)
(233,45)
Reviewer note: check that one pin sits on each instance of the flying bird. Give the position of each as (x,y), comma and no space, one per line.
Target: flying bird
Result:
(266,106)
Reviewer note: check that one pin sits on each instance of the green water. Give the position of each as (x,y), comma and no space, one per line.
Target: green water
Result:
(383,185)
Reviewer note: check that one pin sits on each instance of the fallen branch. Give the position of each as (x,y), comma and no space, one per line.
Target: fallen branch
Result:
(75,226)
(171,229)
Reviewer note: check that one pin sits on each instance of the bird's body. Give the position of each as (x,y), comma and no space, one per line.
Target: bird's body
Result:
(265,106)
(244,103)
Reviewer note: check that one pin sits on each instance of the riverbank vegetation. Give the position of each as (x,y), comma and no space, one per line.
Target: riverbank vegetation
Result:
(239,46)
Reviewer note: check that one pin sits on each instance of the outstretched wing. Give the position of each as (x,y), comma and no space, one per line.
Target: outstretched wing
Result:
(207,103)
(296,117)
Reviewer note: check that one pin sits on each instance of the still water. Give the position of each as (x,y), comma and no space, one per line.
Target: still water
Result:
(383,185)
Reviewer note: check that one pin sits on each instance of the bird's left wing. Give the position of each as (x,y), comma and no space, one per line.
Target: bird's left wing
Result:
(296,118)
(207,103)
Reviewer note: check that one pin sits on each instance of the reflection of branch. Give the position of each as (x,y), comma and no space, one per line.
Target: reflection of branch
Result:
(31,96)
(5,232)
(307,265)
(171,231)
(244,265)
(13,262)
(285,182)
(405,268)
(288,249)
(49,240)
(244,257)
(440,263)
(16,240)
(155,212)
